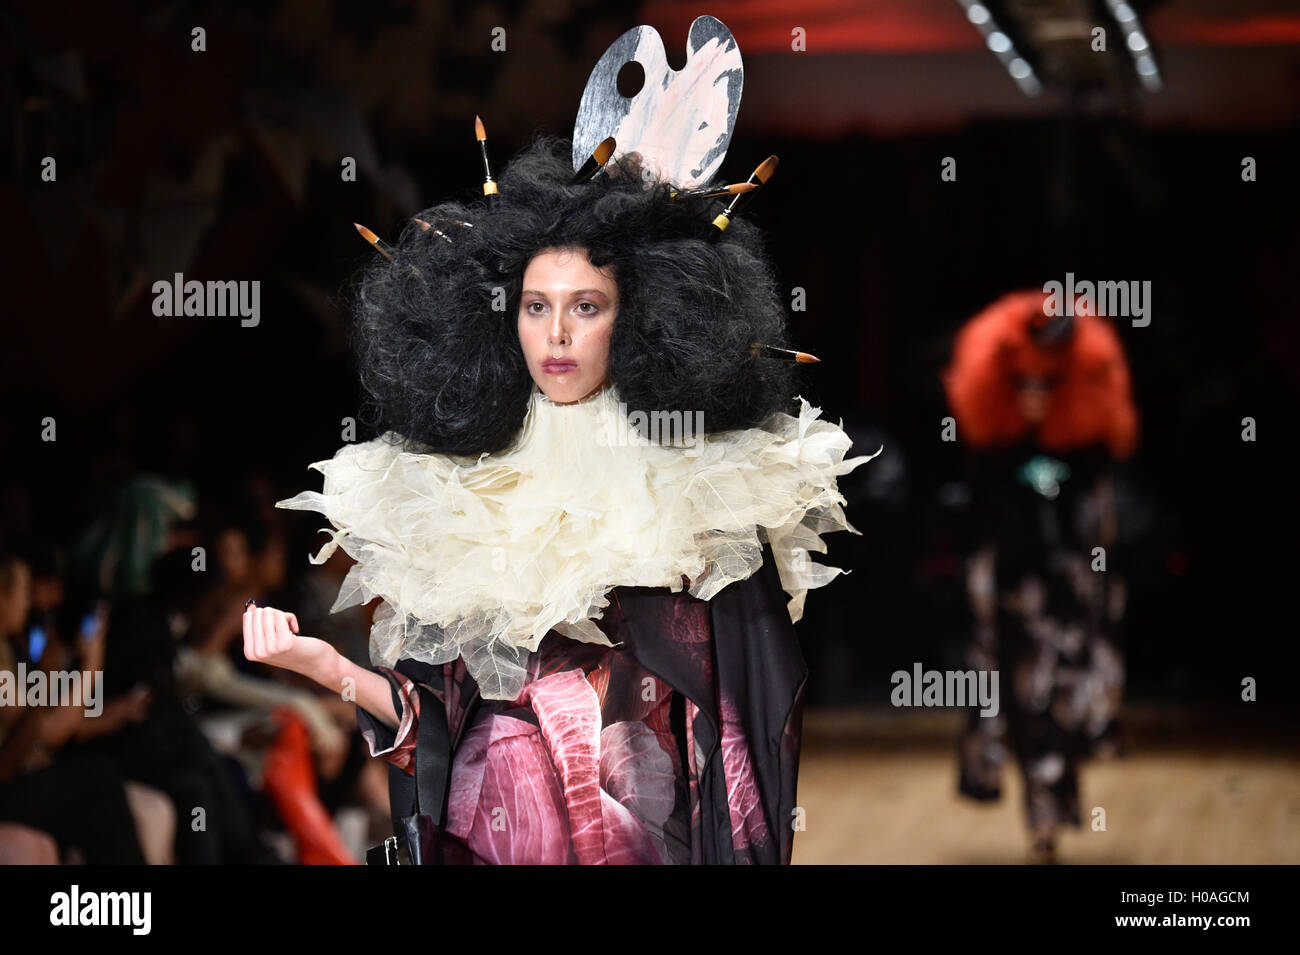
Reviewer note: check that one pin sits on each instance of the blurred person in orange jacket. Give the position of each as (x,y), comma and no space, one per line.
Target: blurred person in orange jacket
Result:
(1043,406)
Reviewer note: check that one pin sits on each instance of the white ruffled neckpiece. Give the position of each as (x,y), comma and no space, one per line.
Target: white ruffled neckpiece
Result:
(482,557)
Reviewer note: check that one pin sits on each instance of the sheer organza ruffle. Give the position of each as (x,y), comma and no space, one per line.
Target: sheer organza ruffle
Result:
(482,557)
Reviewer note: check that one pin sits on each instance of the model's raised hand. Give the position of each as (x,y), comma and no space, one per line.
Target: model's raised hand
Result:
(271,636)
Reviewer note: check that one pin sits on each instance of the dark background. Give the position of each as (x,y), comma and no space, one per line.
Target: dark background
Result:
(225,165)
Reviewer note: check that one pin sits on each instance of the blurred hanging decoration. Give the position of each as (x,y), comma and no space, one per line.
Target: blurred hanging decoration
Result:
(1068,44)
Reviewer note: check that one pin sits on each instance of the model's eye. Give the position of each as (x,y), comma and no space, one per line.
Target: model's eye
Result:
(593,308)
(530,307)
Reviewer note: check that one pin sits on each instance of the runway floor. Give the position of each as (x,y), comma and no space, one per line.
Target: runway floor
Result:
(879,786)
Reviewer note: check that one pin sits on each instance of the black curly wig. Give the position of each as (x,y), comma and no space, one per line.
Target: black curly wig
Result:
(444,369)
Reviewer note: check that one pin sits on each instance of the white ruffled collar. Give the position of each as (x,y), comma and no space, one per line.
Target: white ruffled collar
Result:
(482,557)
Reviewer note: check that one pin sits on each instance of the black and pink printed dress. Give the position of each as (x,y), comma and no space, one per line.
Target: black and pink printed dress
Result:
(680,745)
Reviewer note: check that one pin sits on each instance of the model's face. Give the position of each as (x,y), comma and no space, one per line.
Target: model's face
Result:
(1033,394)
(232,555)
(566,320)
(17,604)
(273,564)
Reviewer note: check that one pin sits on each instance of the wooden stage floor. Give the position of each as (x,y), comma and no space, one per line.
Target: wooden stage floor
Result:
(1193,787)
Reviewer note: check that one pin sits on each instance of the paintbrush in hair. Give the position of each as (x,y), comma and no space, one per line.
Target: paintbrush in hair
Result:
(380,246)
(760,176)
(786,354)
(596,161)
(489,184)
(734,189)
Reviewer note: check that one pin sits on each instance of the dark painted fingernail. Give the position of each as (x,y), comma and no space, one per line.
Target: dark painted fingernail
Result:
(251,602)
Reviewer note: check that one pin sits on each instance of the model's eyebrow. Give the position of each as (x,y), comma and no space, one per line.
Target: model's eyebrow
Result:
(580,291)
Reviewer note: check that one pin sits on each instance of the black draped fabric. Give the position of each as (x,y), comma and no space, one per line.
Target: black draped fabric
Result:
(1048,617)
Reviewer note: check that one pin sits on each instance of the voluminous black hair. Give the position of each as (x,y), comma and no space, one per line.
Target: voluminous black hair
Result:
(438,351)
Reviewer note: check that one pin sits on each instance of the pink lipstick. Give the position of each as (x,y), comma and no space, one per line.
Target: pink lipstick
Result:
(559,366)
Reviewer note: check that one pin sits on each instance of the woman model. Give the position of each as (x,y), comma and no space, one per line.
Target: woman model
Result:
(582,512)
(1043,404)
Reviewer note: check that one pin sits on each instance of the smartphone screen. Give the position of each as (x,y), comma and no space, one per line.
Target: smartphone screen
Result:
(92,621)
(35,642)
